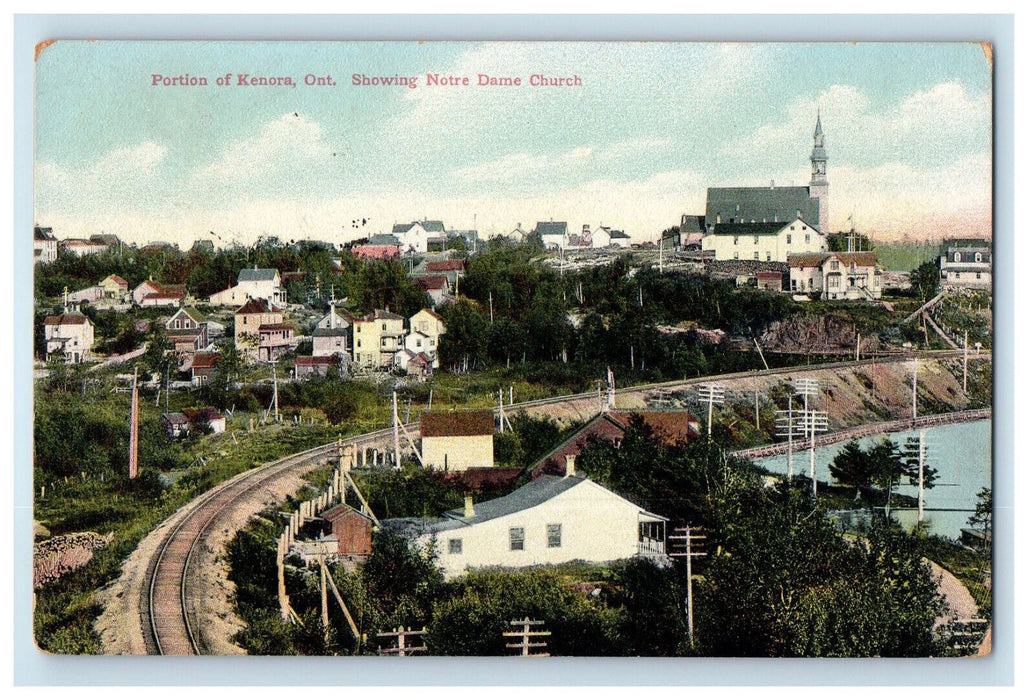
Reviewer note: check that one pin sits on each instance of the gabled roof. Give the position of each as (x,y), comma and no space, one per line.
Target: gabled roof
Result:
(191,312)
(108,239)
(807,259)
(256,306)
(66,320)
(429,312)
(43,233)
(381,315)
(331,332)
(692,223)
(205,360)
(780,203)
(458,424)
(117,280)
(175,418)
(384,239)
(447,266)
(618,234)
(863,258)
(340,511)
(551,228)
(432,282)
(258,274)
(202,415)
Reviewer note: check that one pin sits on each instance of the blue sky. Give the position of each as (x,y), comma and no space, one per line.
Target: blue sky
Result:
(908,129)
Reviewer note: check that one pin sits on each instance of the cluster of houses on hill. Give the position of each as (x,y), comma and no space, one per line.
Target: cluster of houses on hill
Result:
(377,340)
(559,516)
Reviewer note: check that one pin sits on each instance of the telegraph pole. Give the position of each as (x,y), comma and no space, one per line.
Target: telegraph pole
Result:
(685,540)
(914,389)
(395,429)
(785,426)
(713,394)
(966,350)
(805,388)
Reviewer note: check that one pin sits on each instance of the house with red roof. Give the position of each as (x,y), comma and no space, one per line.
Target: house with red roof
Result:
(151,293)
(260,331)
(203,367)
(317,366)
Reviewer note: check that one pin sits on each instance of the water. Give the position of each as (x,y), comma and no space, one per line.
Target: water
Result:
(962,454)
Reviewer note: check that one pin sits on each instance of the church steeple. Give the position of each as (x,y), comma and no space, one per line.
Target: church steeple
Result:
(819,187)
(819,155)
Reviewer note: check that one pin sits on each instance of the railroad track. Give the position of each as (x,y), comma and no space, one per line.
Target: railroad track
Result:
(168,614)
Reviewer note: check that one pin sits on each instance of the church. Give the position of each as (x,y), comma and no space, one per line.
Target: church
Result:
(766,223)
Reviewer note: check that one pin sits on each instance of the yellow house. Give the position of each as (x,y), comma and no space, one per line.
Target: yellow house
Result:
(457,441)
(376,338)
(114,287)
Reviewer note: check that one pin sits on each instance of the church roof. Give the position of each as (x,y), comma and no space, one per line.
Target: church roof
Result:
(749,228)
(257,274)
(758,203)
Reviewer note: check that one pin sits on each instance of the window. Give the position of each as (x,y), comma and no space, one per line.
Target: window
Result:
(756,255)
(768,256)
(956,257)
(835,265)
(736,239)
(979,275)
(456,546)
(835,281)
(736,256)
(789,237)
(977,257)
(957,275)
(517,538)
(756,240)
(553,535)
(806,238)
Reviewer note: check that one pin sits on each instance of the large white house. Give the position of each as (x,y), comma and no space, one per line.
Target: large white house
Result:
(836,275)
(966,264)
(550,520)
(414,236)
(69,337)
(252,283)
(44,245)
(554,234)
(770,241)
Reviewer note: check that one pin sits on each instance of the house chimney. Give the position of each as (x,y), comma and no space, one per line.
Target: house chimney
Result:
(569,465)
(468,506)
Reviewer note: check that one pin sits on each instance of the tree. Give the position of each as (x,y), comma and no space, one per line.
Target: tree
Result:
(982,517)
(852,467)
(467,334)
(925,278)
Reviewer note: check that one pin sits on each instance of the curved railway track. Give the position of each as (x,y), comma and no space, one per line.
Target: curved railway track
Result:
(168,614)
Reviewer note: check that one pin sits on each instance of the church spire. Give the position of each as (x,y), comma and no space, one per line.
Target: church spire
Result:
(818,136)
(819,155)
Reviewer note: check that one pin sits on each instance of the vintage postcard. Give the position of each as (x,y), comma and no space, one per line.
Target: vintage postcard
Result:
(513,349)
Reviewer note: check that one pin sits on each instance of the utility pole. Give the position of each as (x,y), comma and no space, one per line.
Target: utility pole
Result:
(786,422)
(858,342)
(501,409)
(920,499)
(490,309)
(324,616)
(395,429)
(966,350)
(526,633)
(712,394)
(610,389)
(914,389)
(758,425)
(685,540)
(276,396)
(806,387)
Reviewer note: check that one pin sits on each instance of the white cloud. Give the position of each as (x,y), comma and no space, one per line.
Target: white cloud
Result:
(123,175)
(930,127)
(518,165)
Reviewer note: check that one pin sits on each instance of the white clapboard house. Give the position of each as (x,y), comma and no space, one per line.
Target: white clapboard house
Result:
(551,520)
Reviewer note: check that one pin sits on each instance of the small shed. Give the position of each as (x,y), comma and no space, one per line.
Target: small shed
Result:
(353,529)
(770,280)
(175,425)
